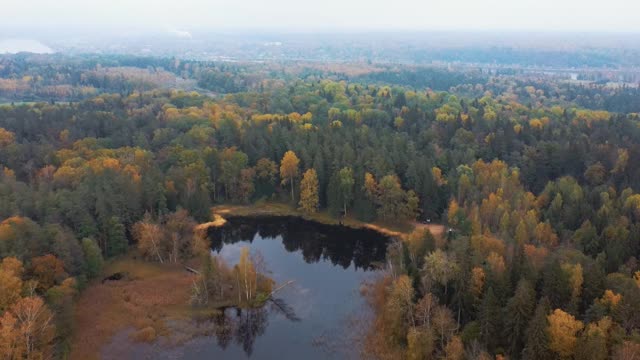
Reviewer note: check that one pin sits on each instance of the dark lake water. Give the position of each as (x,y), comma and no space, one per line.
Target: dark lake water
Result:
(312,318)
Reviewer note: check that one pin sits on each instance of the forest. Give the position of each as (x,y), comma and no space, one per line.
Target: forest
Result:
(534,176)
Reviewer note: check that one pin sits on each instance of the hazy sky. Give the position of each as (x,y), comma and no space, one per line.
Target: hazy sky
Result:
(554,15)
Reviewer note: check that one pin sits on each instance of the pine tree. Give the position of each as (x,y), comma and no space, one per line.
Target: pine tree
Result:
(557,287)
(489,318)
(537,335)
(592,344)
(334,200)
(517,315)
(116,240)
(93,257)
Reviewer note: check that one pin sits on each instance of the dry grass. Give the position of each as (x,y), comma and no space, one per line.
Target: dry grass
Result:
(437,230)
(147,335)
(217,222)
(150,294)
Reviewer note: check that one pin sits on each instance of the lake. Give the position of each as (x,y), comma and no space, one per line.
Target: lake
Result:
(14,46)
(313,318)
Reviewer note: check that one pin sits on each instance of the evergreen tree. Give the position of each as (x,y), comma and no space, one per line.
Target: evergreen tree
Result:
(93,257)
(489,317)
(537,334)
(592,344)
(517,315)
(557,287)
(115,237)
(334,200)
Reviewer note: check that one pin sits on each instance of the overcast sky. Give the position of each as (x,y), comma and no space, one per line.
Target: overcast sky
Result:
(545,15)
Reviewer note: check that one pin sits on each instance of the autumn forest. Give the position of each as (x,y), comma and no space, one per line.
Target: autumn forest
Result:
(532,176)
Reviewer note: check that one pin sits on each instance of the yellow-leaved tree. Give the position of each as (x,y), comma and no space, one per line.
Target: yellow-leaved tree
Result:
(246,275)
(27,330)
(563,330)
(10,282)
(289,169)
(309,200)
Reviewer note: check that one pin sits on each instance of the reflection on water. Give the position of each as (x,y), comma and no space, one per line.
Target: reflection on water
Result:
(307,320)
(241,326)
(341,245)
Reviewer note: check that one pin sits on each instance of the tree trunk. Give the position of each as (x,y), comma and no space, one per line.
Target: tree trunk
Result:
(292,196)
(246,286)
(239,289)
(155,247)
(280,288)
(215,195)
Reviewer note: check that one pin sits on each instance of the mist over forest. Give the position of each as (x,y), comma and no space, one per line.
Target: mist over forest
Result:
(379,186)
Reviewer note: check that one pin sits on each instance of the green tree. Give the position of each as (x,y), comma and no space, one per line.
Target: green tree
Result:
(392,200)
(537,335)
(93,257)
(266,172)
(114,237)
(67,248)
(557,286)
(489,317)
(518,312)
(231,165)
(586,237)
(441,268)
(592,343)
(346,181)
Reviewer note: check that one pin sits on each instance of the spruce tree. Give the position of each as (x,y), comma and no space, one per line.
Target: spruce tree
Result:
(489,318)
(537,335)
(517,315)
(116,239)
(556,286)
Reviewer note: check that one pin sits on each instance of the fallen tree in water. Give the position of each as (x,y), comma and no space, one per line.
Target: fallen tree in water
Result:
(280,288)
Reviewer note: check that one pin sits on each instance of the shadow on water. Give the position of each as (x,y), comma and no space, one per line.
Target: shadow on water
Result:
(343,246)
(308,320)
(242,326)
(339,254)
(281,306)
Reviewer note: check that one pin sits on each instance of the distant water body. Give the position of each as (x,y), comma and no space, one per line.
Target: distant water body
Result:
(14,46)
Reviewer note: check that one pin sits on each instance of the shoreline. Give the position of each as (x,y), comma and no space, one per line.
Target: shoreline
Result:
(148,295)
(272,209)
(284,210)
